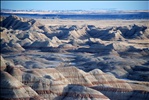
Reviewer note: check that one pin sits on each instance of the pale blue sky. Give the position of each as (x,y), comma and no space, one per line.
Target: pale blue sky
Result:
(75,5)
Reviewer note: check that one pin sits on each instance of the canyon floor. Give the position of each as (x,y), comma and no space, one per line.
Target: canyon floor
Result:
(56,59)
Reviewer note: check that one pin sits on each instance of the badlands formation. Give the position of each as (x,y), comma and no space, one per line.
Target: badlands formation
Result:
(43,59)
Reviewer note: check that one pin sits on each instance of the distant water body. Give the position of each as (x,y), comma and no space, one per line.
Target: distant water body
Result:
(130,16)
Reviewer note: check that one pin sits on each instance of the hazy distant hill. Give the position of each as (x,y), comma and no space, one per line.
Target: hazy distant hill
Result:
(79,14)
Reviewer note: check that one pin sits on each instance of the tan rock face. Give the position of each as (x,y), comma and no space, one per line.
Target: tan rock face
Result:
(3,64)
(69,83)
(13,89)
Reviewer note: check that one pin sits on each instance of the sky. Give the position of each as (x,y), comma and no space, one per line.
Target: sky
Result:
(75,5)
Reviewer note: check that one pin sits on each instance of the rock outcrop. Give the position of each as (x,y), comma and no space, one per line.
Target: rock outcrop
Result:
(12,89)
(18,23)
(67,83)
(71,62)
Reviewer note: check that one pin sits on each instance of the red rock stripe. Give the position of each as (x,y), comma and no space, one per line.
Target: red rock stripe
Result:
(81,76)
(23,86)
(2,67)
(32,82)
(28,82)
(81,83)
(111,89)
(86,95)
(27,98)
(72,94)
(107,82)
